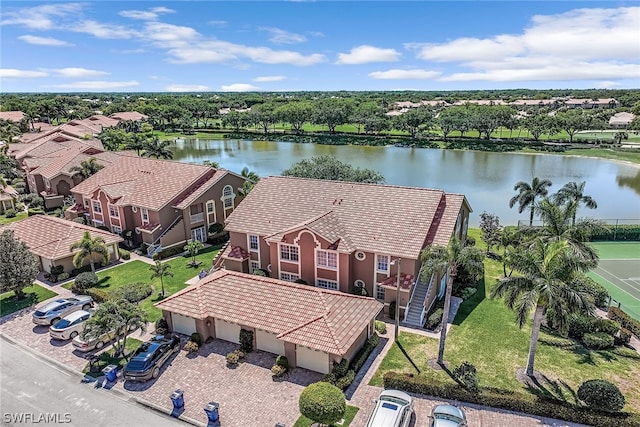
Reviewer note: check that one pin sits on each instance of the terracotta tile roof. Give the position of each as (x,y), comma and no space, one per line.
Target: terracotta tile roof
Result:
(8,193)
(99,121)
(129,115)
(375,218)
(237,252)
(328,226)
(328,321)
(406,280)
(144,182)
(64,164)
(198,191)
(80,129)
(51,142)
(51,237)
(12,116)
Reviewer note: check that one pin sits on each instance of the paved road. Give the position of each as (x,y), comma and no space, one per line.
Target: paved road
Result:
(36,390)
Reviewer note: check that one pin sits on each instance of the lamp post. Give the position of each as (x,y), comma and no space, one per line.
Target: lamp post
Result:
(397,314)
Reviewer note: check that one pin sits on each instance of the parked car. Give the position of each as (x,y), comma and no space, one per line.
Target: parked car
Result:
(70,326)
(149,358)
(393,409)
(56,310)
(447,416)
(89,343)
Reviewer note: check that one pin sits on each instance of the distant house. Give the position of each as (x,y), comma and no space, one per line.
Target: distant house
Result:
(8,197)
(165,202)
(129,115)
(345,236)
(480,102)
(312,327)
(49,238)
(621,120)
(588,103)
(12,116)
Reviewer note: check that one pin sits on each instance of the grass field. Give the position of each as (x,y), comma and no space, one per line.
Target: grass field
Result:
(18,217)
(34,294)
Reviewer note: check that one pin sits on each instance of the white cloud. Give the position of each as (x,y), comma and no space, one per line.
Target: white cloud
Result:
(97,85)
(581,44)
(365,54)
(404,74)
(217,23)
(279,36)
(21,74)
(269,79)
(44,41)
(79,73)
(103,31)
(607,84)
(239,87)
(39,17)
(186,88)
(145,15)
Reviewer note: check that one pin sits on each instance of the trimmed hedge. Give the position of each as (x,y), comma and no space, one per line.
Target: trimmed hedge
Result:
(434,319)
(619,233)
(343,374)
(322,402)
(580,325)
(608,326)
(246,340)
(133,292)
(509,400)
(98,295)
(601,395)
(597,341)
(125,254)
(625,320)
(166,253)
(597,291)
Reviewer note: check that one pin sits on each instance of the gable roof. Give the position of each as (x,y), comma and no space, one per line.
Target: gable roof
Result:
(50,142)
(129,115)
(144,182)
(385,219)
(51,237)
(324,320)
(12,116)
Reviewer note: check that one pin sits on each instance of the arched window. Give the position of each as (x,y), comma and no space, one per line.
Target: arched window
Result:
(228,196)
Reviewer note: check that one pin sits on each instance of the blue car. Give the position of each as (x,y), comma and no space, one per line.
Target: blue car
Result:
(147,360)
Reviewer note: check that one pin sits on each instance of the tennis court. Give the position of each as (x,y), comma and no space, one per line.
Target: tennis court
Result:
(619,272)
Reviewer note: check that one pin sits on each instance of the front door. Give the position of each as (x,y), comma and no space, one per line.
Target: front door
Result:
(199,234)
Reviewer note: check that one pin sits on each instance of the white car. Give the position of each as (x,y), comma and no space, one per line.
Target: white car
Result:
(447,416)
(393,408)
(70,326)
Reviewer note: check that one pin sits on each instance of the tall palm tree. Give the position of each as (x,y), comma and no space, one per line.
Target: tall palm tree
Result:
(88,248)
(441,259)
(543,286)
(160,270)
(157,149)
(572,192)
(87,168)
(251,178)
(528,193)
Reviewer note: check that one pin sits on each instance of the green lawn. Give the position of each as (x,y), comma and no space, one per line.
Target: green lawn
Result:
(18,217)
(485,334)
(138,271)
(34,294)
(107,358)
(349,415)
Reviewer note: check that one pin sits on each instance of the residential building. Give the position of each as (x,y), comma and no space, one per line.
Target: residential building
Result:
(50,238)
(345,236)
(12,116)
(621,120)
(165,203)
(312,327)
(8,197)
(589,103)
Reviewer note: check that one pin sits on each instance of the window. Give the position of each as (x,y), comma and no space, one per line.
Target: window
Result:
(380,292)
(327,259)
(253,243)
(97,207)
(382,263)
(289,277)
(86,203)
(210,206)
(327,284)
(228,196)
(255,265)
(144,214)
(289,253)
(116,229)
(113,212)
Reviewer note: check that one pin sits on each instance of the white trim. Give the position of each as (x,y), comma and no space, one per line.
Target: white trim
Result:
(327,253)
(388,264)
(360,255)
(114,227)
(253,266)
(144,212)
(109,206)
(287,245)
(249,236)
(292,277)
(134,209)
(93,206)
(228,197)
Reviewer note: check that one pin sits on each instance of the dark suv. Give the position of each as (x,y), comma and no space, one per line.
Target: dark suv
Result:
(149,358)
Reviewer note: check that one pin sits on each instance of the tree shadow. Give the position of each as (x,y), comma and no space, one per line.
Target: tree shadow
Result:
(543,387)
(467,306)
(103,283)
(399,344)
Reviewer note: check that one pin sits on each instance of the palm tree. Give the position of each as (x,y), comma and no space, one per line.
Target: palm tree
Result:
(527,194)
(160,270)
(572,192)
(251,178)
(544,287)
(88,248)
(87,168)
(250,175)
(441,259)
(193,246)
(157,149)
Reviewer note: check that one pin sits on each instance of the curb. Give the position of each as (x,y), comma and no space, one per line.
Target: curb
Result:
(88,379)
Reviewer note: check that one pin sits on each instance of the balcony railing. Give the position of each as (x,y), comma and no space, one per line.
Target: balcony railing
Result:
(199,217)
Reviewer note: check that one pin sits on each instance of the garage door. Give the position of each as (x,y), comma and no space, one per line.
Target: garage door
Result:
(311,359)
(183,324)
(227,331)
(268,342)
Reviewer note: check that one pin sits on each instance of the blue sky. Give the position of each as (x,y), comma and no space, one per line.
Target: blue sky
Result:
(112,46)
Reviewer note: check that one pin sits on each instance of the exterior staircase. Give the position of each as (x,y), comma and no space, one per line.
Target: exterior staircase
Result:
(416,310)
(156,247)
(216,263)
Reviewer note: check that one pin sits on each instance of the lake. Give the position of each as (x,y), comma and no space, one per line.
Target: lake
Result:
(486,178)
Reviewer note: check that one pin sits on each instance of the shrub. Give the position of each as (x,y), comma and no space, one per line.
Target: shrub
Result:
(215,228)
(10,213)
(34,211)
(196,338)
(468,293)
(282,361)
(601,395)
(246,340)
(239,353)
(597,340)
(232,358)
(625,320)
(63,276)
(278,370)
(392,310)
(345,381)
(608,326)
(98,295)
(434,319)
(340,369)
(133,292)
(125,255)
(598,292)
(83,269)
(57,270)
(623,337)
(86,280)
(466,374)
(381,327)
(191,347)
(322,403)
(80,220)
(580,325)
(162,327)
(364,352)
(166,253)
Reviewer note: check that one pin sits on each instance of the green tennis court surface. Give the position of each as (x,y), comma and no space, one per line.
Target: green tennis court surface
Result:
(619,272)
